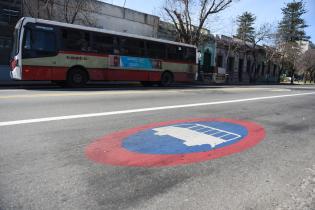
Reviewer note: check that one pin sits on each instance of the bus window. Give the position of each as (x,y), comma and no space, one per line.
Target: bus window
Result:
(132,47)
(171,52)
(38,40)
(190,54)
(175,52)
(27,42)
(156,50)
(15,47)
(102,43)
(75,40)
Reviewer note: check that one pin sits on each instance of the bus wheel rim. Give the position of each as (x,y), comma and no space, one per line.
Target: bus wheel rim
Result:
(77,78)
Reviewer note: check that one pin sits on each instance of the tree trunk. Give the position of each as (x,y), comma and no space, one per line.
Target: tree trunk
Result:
(292,76)
(281,70)
(304,78)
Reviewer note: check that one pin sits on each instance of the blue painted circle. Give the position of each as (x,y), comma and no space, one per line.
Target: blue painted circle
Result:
(148,142)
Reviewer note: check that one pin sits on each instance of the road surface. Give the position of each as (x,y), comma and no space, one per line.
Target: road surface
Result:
(44,133)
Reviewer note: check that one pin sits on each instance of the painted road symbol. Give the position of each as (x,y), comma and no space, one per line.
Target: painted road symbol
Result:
(175,142)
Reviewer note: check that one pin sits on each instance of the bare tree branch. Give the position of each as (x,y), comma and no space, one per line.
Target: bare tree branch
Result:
(181,13)
(69,11)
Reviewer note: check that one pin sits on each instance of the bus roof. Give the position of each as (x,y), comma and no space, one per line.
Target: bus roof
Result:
(80,27)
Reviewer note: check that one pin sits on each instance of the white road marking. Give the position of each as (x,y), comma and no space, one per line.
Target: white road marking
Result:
(281,90)
(196,137)
(102,114)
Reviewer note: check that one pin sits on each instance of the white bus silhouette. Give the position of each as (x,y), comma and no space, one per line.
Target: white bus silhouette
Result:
(197,134)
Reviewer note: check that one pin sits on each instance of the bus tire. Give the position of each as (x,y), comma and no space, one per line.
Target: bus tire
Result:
(166,79)
(77,77)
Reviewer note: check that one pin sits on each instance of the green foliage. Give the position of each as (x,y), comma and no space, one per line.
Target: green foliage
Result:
(246,30)
(291,28)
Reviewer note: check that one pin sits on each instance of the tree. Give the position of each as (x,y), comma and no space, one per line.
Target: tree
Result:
(306,65)
(36,8)
(190,16)
(246,30)
(291,53)
(292,26)
(291,30)
(79,11)
(69,11)
(262,34)
(251,39)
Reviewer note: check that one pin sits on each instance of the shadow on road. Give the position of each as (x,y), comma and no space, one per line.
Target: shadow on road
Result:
(125,86)
(107,87)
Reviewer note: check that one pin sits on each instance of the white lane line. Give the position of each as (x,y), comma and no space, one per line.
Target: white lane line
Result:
(101,114)
(281,90)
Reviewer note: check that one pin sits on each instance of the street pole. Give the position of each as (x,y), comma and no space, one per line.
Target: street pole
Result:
(124,9)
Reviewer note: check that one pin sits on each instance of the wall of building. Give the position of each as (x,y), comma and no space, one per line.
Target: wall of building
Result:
(101,15)
(125,20)
(208,46)
(166,31)
(10,12)
(237,64)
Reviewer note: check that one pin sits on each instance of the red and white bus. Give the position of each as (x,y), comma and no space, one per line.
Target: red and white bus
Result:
(73,55)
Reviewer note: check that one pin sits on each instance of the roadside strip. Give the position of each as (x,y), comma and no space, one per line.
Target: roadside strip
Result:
(101,114)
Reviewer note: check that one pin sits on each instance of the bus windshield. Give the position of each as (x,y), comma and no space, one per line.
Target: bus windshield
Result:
(15,48)
(39,40)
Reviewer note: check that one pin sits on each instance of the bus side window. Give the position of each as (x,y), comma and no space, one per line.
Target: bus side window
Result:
(116,47)
(175,53)
(180,53)
(85,42)
(27,39)
(72,39)
(171,52)
(156,50)
(132,47)
(102,43)
(190,54)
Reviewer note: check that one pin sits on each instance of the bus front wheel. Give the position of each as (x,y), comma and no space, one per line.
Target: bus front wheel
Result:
(77,77)
(166,79)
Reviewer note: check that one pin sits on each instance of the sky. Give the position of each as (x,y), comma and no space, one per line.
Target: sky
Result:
(266,11)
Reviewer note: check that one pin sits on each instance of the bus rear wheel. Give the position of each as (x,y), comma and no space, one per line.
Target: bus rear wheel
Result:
(166,79)
(77,78)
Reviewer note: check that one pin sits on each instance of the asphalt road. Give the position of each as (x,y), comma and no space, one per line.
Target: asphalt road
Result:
(44,133)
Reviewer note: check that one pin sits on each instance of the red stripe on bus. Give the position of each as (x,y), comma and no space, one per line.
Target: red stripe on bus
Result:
(60,73)
(44,73)
(126,75)
(84,53)
(140,75)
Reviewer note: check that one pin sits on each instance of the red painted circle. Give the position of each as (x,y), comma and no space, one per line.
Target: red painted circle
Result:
(109,150)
